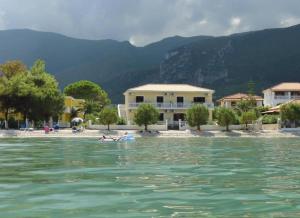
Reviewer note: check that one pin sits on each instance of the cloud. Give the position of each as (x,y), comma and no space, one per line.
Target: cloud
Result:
(289,21)
(144,21)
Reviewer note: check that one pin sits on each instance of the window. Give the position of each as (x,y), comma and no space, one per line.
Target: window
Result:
(295,93)
(233,103)
(180,99)
(160,99)
(161,117)
(279,93)
(199,99)
(139,99)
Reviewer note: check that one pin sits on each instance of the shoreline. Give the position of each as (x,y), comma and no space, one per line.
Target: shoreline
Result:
(67,133)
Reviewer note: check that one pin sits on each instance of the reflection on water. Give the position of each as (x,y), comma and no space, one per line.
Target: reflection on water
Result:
(150,178)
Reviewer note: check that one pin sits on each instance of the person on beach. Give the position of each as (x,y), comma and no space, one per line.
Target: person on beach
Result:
(46,129)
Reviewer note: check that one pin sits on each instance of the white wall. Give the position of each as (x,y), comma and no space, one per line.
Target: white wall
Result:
(217,128)
(129,127)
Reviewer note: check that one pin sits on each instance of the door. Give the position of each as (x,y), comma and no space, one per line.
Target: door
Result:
(180,101)
(159,101)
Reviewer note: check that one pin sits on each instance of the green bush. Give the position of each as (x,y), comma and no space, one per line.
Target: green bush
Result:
(121,121)
(197,116)
(225,117)
(270,119)
(146,114)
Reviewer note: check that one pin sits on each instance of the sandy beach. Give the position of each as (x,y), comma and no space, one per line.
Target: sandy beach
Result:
(67,133)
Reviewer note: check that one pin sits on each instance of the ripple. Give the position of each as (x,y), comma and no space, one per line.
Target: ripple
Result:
(150,178)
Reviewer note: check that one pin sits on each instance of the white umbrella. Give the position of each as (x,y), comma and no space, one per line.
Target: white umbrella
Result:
(77,120)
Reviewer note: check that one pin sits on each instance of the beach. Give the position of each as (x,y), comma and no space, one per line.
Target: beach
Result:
(67,133)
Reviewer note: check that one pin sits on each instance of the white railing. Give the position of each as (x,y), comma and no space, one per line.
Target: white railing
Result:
(286,97)
(295,96)
(170,105)
(281,97)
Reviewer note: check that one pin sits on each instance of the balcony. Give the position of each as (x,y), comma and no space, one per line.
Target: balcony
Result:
(286,97)
(170,106)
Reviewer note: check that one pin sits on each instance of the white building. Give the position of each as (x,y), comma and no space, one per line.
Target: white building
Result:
(281,93)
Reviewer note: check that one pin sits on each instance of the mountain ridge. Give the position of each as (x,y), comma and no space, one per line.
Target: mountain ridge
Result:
(224,63)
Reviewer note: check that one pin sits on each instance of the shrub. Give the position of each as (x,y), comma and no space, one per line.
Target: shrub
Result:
(290,112)
(197,115)
(248,117)
(270,119)
(108,116)
(146,114)
(225,117)
(121,121)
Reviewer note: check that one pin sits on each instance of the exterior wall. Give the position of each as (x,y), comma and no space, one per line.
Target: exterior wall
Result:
(70,103)
(169,107)
(129,127)
(228,103)
(150,97)
(270,98)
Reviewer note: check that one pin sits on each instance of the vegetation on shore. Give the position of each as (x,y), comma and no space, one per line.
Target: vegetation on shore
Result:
(31,92)
(146,115)
(197,116)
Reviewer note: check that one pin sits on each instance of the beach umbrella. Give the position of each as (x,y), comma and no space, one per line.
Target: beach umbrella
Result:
(77,120)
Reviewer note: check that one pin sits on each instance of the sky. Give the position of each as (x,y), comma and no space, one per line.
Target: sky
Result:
(144,21)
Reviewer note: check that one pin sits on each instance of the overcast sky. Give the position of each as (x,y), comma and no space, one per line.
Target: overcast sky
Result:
(145,21)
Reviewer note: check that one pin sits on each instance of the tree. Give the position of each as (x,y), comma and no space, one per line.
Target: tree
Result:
(197,115)
(12,68)
(248,117)
(34,92)
(9,70)
(95,97)
(225,117)
(38,95)
(108,116)
(146,114)
(290,112)
(245,105)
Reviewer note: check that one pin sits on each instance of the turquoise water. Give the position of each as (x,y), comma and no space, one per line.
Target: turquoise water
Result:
(150,178)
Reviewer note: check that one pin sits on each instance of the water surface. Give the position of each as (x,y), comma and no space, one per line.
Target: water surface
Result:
(150,178)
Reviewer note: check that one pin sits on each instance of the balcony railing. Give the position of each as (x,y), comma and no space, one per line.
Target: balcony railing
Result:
(286,97)
(171,105)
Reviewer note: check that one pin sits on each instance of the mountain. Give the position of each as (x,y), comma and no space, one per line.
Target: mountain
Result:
(225,63)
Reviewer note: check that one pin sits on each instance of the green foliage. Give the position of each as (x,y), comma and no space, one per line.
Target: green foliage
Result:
(108,116)
(33,93)
(146,114)
(197,115)
(248,117)
(88,91)
(251,88)
(290,112)
(93,117)
(95,98)
(121,121)
(262,109)
(225,117)
(245,105)
(270,119)
(12,68)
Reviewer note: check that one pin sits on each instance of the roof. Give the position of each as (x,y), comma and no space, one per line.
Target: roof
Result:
(286,86)
(240,96)
(276,109)
(169,88)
